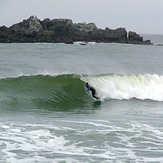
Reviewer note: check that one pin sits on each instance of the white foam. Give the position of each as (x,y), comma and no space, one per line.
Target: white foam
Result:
(96,140)
(128,86)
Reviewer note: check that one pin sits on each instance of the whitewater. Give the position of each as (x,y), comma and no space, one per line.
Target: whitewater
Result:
(47,116)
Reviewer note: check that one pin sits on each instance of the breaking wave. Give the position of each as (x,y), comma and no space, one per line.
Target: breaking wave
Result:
(129,86)
(67,91)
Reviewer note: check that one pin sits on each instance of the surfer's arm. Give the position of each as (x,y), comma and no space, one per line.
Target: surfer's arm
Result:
(88,88)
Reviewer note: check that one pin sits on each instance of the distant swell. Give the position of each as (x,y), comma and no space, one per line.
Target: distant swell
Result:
(67,91)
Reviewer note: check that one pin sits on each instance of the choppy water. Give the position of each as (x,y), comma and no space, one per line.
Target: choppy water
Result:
(46,115)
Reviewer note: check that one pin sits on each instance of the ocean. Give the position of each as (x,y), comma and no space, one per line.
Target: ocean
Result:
(46,116)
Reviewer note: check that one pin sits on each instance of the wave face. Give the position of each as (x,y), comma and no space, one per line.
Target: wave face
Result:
(59,92)
(67,91)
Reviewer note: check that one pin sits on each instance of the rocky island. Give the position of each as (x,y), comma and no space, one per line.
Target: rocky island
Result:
(65,31)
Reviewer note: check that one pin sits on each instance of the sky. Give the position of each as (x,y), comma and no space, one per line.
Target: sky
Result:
(141,16)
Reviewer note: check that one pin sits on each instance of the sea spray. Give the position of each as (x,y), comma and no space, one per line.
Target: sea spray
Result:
(114,86)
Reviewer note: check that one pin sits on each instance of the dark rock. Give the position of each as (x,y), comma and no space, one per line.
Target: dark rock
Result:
(134,38)
(68,42)
(44,35)
(4,37)
(29,25)
(147,42)
(86,27)
(64,30)
(3,28)
(118,35)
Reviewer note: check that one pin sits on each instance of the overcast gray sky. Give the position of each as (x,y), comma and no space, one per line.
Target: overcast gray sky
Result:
(141,16)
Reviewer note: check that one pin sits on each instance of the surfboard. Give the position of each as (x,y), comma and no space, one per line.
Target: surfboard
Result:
(90,94)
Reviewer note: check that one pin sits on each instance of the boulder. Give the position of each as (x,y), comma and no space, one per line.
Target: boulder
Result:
(134,38)
(86,27)
(4,37)
(117,35)
(34,24)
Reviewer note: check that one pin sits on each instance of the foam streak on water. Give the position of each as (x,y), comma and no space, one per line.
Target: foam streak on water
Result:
(97,140)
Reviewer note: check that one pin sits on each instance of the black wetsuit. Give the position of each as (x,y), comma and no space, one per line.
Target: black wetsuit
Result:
(93,91)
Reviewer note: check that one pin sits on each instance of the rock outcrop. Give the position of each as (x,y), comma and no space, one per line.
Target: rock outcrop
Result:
(134,38)
(64,30)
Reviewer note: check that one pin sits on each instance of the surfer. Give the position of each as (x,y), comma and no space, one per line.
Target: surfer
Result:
(89,88)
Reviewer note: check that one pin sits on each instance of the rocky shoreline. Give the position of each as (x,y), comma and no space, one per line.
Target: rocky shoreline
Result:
(65,31)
